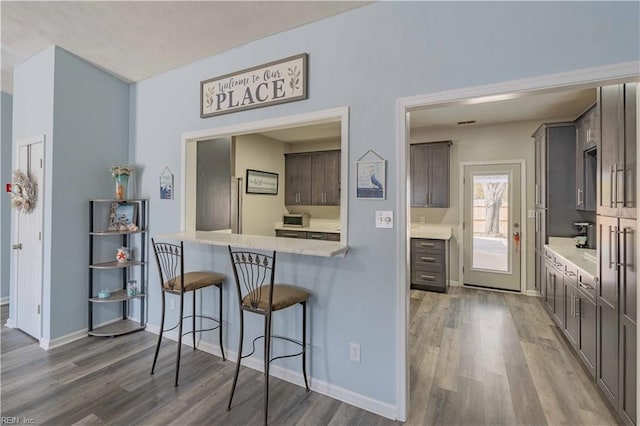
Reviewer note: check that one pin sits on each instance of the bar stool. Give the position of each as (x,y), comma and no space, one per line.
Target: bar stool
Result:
(254,273)
(173,280)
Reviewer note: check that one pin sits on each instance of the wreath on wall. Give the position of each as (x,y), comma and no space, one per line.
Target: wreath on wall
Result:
(23,192)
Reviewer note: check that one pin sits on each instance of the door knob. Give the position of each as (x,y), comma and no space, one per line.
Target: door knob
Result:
(17,246)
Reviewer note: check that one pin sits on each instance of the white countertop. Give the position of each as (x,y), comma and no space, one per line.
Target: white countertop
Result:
(315,225)
(582,258)
(260,242)
(435,232)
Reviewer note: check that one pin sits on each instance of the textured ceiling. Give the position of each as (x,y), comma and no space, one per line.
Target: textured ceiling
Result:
(135,40)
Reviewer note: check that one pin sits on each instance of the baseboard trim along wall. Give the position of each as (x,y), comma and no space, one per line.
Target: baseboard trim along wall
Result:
(455,283)
(47,344)
(320,386)
(532,293)
(4,300)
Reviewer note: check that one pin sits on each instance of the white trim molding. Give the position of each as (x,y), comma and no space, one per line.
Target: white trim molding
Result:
(4,300)
(582,78)
(48,344)
(320,386)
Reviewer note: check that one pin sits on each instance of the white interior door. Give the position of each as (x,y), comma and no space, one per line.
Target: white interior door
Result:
(491,232)
(28,245)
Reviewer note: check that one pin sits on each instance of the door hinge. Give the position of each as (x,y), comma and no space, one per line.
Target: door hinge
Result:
(464,225)
(463,269)
(38,309)
(41,163)
(39,236)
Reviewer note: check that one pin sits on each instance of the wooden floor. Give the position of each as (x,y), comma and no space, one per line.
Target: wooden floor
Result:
(492,358)
(477,357)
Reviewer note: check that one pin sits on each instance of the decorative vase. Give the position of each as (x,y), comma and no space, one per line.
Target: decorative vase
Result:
(121,186)
(123,254)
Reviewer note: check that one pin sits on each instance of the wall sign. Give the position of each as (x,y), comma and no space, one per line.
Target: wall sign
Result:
(262,182)
(277,82)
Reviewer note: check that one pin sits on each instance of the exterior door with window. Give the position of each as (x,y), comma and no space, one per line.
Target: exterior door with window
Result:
(491,229)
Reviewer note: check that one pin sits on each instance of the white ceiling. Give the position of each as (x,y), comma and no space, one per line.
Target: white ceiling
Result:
(135,40)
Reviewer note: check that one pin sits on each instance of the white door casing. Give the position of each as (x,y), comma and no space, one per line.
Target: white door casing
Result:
(28,242)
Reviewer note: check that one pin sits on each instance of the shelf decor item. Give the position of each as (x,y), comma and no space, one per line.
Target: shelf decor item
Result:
(123,216)
(121,175)
(371,177)
(166,184)
(23,192)
(122,254)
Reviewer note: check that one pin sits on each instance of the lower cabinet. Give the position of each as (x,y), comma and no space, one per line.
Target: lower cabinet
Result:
(326,236)
(587,340)
(429,265)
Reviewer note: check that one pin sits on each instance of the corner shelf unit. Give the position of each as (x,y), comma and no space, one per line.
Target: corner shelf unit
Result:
(99,211)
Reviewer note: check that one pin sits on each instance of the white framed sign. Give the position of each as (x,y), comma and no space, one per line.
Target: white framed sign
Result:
(274,83)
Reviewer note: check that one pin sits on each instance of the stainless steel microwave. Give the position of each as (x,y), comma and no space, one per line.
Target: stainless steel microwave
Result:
(295,220)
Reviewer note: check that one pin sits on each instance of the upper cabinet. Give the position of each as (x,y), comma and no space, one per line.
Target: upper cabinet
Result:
(430,174)
(617,151)
(586,159)
(325,178)
(312,178)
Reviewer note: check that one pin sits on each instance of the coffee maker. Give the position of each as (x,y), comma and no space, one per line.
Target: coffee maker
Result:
(586,237)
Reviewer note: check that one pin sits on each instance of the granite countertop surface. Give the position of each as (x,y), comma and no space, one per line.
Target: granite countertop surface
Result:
(435,232)
(585,259)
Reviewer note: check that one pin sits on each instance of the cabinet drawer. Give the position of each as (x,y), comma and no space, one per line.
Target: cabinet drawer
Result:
(331,236)
(587,284)
(427,277)
(317,236)
(421,244)
(428,262)
(291,234)
(571,274)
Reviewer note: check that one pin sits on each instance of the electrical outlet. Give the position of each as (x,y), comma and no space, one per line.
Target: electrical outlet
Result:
(354,352)
(172,304)
(422,219)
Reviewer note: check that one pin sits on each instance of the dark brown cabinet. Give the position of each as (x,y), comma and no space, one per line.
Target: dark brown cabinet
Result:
(430,174)
(617,151)
(586,308)
(325,178)
(297,186)
(586,159)
(571,324)
(309,235)
(429,265)
(312,178)
(626,260)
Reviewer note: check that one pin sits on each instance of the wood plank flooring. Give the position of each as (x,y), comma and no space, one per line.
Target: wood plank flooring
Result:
(490,358)
(477,357)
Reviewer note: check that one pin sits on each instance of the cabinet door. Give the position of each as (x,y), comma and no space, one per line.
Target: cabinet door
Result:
(591,128)
(297,170)
(318,167)
(332,178)
(611,132)
(572,320)
(541,169)
(550,292)
(587,340)
(607,308)
(579,194)
(419,174)
(628,274)
(627,170)
(559,298)
(628,360)
(438,187)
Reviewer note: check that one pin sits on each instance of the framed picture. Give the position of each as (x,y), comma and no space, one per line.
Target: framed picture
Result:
(123,216)
(371,179)
(166,184)
(262,182)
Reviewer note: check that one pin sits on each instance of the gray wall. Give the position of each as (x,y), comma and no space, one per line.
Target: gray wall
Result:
(6,111)
(84,114)
(366,59)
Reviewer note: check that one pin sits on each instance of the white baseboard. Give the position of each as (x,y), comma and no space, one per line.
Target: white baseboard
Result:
(4,300)
(455,283)
(532,293)
(320,386)
(47,344)
(10,323)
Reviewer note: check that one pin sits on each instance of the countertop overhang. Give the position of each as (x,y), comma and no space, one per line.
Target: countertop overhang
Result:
(434,232)
(260,242)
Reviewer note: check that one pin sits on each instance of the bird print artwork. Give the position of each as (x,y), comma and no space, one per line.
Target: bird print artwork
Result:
(371,180)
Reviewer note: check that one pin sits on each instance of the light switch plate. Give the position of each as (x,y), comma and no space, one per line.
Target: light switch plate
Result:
(384,219)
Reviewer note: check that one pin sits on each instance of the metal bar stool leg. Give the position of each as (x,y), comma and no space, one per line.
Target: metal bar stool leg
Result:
(235,377)
(179,337)
(304,344)
(193,322)
(267,357)
(155,357)
(220,319)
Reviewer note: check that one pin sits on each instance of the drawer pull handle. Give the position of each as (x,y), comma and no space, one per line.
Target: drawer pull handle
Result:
(428,277)
(291,235)
(316,236)
(569,273)
(585,286)
(427,244)
(427,259)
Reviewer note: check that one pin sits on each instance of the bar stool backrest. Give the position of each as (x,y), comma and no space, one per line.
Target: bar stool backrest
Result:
(170,264)
(254,274)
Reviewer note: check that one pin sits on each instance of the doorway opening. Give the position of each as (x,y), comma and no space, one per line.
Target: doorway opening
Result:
(435,105)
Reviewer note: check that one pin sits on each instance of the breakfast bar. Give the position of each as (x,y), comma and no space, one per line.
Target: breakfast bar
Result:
(261,242)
